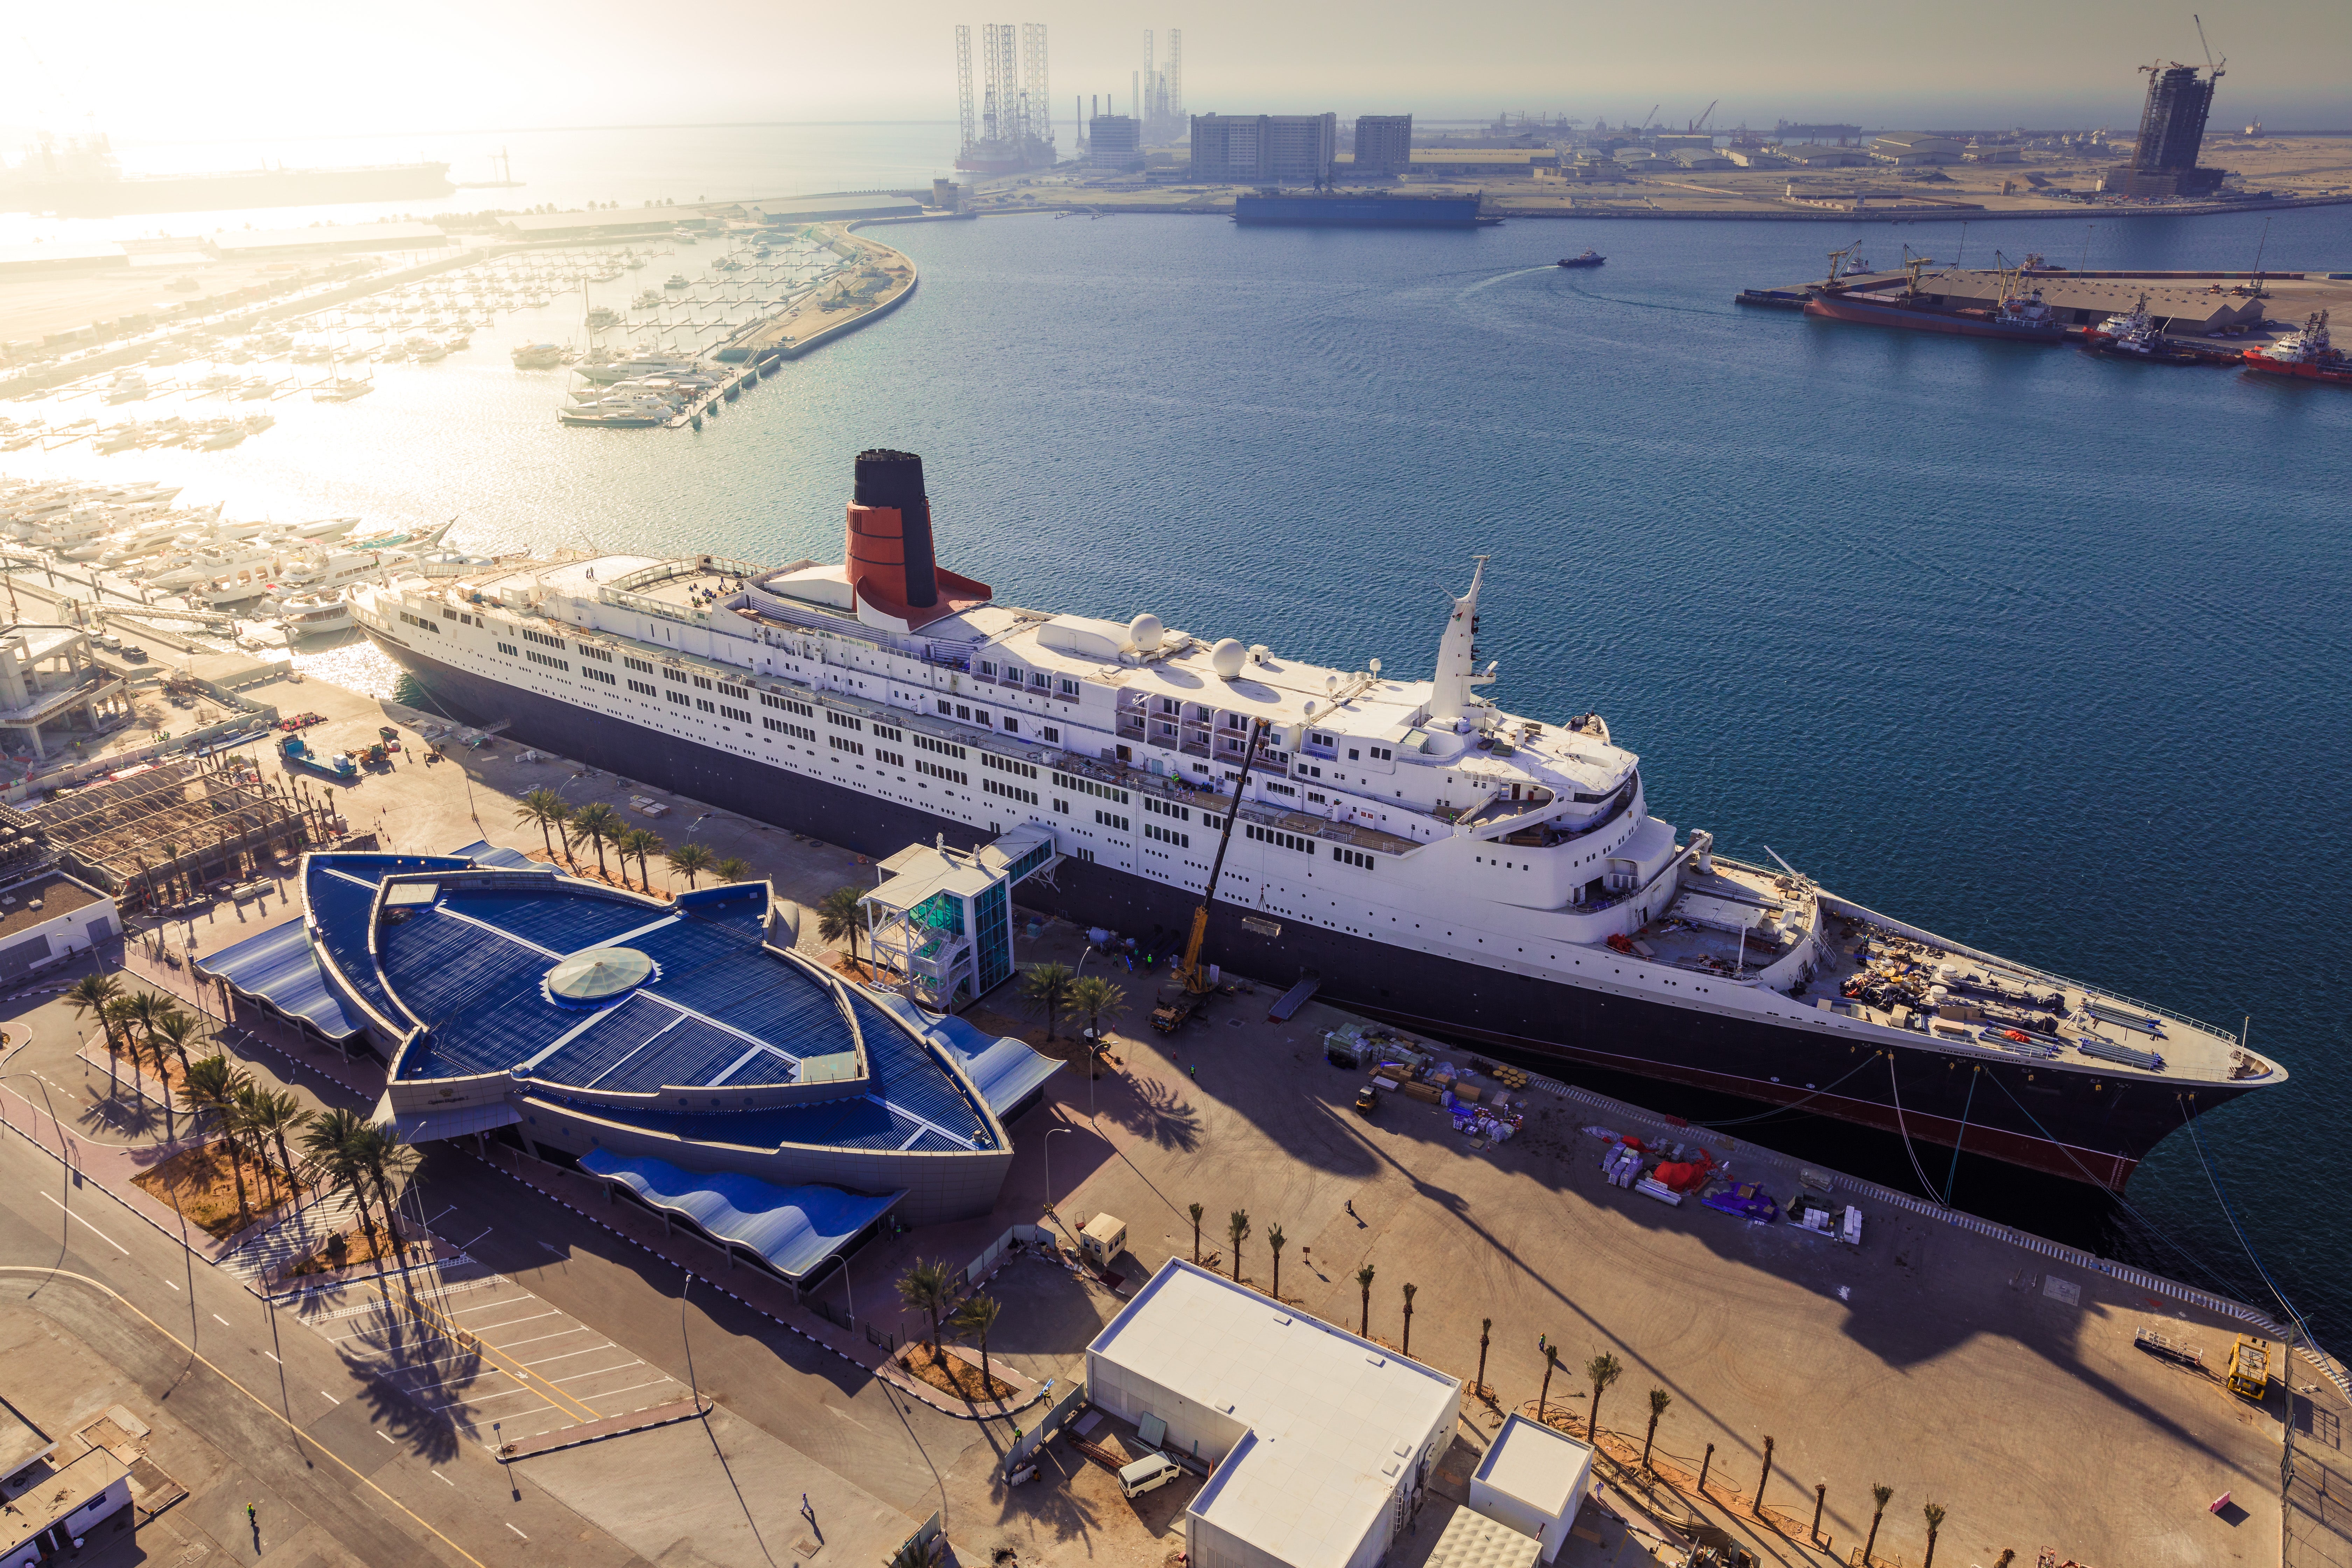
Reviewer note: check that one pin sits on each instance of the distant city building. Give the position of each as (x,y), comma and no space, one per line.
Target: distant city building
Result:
(2171,132)
(1115,142)
(1906,149)
(1277,148)
(1481,164)
(1384,144)
(1702,158)
(1993,155)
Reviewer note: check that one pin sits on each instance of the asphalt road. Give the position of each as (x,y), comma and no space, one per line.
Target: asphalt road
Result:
(316,1441)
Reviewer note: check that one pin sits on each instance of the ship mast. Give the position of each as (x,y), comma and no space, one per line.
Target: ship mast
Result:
(1449,688)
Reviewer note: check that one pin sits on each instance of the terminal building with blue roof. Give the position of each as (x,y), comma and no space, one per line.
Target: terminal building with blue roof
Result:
(681,1051)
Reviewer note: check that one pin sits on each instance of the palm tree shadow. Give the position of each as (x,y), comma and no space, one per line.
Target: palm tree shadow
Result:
(1161,1113)
(413,1369)
(1049,1504)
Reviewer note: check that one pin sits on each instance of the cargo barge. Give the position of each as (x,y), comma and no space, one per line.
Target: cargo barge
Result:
(1375,210)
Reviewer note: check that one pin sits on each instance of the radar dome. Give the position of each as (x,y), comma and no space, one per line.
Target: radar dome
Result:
(1227,657)
(1144,632)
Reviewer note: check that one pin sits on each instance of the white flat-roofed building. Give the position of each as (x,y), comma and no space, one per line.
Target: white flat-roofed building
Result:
(1533,1479)
(1321,1442)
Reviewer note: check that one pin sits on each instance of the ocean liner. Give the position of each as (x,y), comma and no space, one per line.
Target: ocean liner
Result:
(1438,861)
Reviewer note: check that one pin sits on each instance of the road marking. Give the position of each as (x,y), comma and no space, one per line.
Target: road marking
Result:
(272,1355)
(468,1246)
(87,1226)
(535,1339)
(567,1355)
(257,1400)
(174,1284)
(443,1480)
(388,1440)
(510,1323)
(329,1397)
(657,1383)
(622,1367)
(224,1322)
(507,1393)
(519,1532)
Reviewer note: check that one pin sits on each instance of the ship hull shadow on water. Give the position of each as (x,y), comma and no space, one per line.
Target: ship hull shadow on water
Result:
(2070,1125)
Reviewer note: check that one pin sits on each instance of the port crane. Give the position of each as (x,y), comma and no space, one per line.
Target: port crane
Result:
(1190,979)
(1700,122)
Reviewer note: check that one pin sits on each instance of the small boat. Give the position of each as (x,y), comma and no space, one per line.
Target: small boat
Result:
(1590,259)
(677,280)
(2307,353)
(2135,336)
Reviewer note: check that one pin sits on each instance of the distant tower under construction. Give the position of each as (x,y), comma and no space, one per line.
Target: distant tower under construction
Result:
(2171,134)
(1007,125)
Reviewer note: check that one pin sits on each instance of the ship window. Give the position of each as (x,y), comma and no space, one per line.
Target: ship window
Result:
(988,667)
(1052,734)
(1069,687)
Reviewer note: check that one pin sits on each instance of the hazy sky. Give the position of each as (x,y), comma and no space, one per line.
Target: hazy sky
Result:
(166,69)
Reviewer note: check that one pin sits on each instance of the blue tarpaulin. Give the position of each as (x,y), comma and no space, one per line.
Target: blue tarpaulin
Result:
(794,1228)
(277,967)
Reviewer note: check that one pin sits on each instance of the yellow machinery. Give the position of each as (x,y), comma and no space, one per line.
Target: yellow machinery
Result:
(2250,1368)
(1190,979)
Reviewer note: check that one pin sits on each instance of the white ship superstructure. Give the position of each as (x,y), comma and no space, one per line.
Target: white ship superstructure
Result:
(1401,835)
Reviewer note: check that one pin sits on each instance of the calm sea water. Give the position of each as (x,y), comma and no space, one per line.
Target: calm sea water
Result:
(2045,652)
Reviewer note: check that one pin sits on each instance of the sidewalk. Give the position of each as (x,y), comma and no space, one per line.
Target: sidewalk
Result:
(769,1296)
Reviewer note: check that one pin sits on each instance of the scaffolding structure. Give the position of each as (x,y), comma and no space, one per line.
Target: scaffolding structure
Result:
(967,120)
(167,834)
(1007,123)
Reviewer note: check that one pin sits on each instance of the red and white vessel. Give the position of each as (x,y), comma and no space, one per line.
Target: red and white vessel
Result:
(2306,354)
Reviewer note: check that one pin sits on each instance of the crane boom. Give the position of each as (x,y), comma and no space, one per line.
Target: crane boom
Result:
(1191,979)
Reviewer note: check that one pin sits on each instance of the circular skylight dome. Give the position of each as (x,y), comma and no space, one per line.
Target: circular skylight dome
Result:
(598,975)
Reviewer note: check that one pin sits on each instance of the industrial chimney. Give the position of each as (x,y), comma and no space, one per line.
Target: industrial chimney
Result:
(889,545)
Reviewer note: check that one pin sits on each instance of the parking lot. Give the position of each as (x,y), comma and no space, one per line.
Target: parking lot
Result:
(467,1344)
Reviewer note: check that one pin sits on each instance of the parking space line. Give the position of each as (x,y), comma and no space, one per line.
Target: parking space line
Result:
(508,1393)
(613,1393)
(622,1367)
(575,1329)
(510,1323)
(551,1390)
(567,1355)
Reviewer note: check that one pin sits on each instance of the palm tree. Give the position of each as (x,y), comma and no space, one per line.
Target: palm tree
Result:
(596,823)
(972,1322)
(141,1008)
(1196,1211)
(1659,1400)
(269,1116)
(550,811)
(1407,1351)
(1237,1228)
(1880,1495)
(1934,1512)
(1551,1364)
(210,1087)
(689,860)
(176,1028)
(1094,998)
(1602,1371)
(1046,988)
(330,1141)
(640,842)
(1364,1283)
(732,869)
(841,916)
(121,1016)
(1485,1326)
(1274,1241)
(929,1288)
(244,1113)
(90,994)
(386,1162)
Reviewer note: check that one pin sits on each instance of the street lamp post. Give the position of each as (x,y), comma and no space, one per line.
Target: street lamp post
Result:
(1048,1142)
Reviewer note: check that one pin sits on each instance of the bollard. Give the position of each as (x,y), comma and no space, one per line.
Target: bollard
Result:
(1756,1504)
(1821,1495)
(1703,1464)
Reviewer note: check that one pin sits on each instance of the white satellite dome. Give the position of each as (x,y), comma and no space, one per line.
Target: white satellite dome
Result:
(1145,632)
(1227,657)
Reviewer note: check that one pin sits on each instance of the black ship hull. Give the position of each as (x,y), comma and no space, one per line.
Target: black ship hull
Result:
(2062,1123)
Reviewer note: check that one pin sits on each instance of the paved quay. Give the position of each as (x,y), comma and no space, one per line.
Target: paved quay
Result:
(1956,1363)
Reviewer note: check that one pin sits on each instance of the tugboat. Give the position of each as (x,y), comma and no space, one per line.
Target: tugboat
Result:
(1590,259)
(2135,336)
(2306,354)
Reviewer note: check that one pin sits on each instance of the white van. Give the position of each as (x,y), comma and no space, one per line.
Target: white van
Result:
(1149,1474)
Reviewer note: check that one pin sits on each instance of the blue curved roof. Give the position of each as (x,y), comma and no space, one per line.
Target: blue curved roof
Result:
(794,1228)
(279,967)
(465,957)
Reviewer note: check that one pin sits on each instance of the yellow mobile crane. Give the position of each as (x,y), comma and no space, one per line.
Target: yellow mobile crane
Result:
(1189,982)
